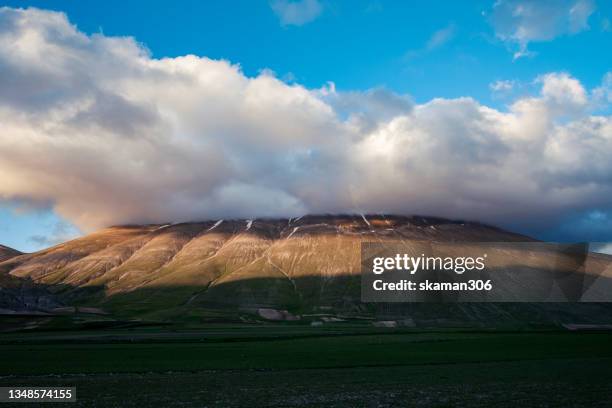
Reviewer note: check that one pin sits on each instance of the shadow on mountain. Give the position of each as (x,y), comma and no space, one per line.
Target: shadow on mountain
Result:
(303,300)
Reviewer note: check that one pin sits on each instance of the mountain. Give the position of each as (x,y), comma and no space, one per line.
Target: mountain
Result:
(279,269)
(6,253)
(17,294)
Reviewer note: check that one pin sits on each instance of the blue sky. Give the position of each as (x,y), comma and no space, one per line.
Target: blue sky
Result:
(355,44)
(437,49)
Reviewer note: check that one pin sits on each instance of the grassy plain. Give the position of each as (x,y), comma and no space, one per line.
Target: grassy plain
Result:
(293,365)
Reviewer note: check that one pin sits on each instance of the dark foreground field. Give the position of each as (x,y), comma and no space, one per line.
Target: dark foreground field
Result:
(279,366)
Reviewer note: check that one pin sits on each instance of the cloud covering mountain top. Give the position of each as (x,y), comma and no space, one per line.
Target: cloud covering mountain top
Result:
(105,134)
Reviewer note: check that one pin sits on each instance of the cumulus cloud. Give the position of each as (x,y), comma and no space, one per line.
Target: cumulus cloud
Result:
(520,22)
(563,94)
(300,12)
(106,134)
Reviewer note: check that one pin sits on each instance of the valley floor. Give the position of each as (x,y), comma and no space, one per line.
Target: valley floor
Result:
(291,366)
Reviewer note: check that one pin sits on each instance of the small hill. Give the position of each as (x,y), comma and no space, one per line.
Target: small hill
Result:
(7,253)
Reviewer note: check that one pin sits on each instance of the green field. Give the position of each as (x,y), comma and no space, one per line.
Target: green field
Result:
(283,365)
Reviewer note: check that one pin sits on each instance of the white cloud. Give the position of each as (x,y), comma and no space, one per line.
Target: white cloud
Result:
(441,37)
(107,134)
(603,93)
(602,247)
(502,86)
(563,93)
(520,22)
(300,12)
